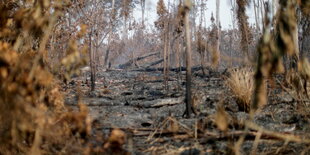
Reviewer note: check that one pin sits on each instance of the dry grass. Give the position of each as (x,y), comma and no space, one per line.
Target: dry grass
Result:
(241,84)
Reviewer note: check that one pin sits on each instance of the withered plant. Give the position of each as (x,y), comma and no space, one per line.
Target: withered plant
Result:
(241,84)
(272,48)
(202,48)
(214,40)
(33,118)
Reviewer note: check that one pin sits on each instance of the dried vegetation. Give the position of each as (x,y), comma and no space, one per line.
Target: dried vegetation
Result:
(33,118)
(241,84)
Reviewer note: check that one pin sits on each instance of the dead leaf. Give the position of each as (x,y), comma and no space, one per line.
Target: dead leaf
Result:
(221,119)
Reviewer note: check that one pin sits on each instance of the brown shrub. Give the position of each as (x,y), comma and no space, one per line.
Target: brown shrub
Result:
(241,84)
(33,118)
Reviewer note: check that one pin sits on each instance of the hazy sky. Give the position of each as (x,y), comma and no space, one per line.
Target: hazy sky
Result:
(225,12)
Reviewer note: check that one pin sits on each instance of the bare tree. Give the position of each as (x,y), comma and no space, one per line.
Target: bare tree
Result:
(142,3)
(125,13)
(243,27)
(188,98)
(201,42)
(162,25)
(112,18)
(92,62)
(218,36)
(256,13)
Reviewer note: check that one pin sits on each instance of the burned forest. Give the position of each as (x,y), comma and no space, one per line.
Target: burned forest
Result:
(148,77)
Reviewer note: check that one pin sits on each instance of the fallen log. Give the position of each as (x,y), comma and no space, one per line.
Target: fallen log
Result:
(176,69)
(159,102)
(130,62)
(152,63)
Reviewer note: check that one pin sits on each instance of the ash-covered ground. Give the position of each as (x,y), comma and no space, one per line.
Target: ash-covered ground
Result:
(151,114)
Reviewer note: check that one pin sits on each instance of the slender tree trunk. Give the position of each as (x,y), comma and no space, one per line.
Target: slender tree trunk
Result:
(168,54)
(91,57)
(178,53)
(218,32)
(106,58)
(202,61)
(233,13)
(142,2)
(193,19)
(256,15)
(275,7)
(296,42)
(125,29)
(244,28)
(305,39)
(178,62)
(202,53)
(262,9)
(217,13)
(165,58)
(188,98)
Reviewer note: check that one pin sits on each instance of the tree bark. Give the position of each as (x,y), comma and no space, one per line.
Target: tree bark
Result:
(244,28)
(92,66)
(256,15)
(188,98)
(142,2)
(165,58)
(305,35)
(218,31)
(106,58)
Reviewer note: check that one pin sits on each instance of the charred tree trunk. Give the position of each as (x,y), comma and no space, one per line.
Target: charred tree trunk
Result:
(106,58)
(91,61)
(188,98)
(201,46)
(285,44)
(305,39)
(165,57)
(168,50)
(202,61)
(243,27)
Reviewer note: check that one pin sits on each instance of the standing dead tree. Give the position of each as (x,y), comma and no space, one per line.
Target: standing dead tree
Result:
(256,14)
(112,19)
(271,50)
(201,49)
(188,99)
(213,39)
(142,3)
(162,24)
(125,13)
(304,23)
(92,62)
(218,34)
(243,27)
(90,13)
(201,42)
